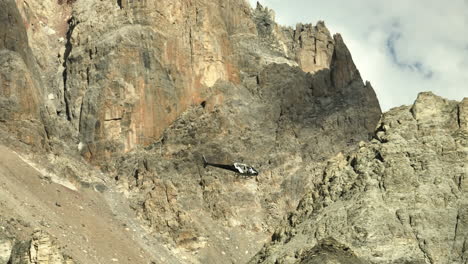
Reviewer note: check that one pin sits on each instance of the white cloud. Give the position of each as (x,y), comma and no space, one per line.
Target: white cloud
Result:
(402,47)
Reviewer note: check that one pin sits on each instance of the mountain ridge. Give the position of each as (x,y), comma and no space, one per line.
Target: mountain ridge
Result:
(121,99)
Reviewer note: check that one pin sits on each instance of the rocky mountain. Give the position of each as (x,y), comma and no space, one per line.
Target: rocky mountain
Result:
(400,198)
(110,76)
(107,108)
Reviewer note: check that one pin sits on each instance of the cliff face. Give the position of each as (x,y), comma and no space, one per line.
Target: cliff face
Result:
(20,89)
(116,74)
(129,79)
(143,89)
(40,249)
(401,198)
(278,117)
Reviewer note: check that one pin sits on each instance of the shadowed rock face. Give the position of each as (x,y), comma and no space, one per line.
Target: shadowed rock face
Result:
(329,251)
(400,198)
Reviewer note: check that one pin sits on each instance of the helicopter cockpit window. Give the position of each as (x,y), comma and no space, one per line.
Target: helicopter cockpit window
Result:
(241,167)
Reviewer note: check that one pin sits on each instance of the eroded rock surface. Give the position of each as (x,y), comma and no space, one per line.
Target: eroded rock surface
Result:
(401,198)
(283,122)
(41,249)
(20,86)
(109,76)
(143,89)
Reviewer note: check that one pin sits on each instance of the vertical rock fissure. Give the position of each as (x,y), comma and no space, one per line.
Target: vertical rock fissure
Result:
(456,228)
(191,47)
(72,23)
(315,51)
(278,123)
(464,249)
(119,2)
(424,251)
(80,119)
(458,116)
(420,241)
(353,164)
(87,76)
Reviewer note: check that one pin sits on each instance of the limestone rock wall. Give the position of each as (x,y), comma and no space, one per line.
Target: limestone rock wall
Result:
(40,249)
(110,76)
(21,90)
(399,199)
(282,120)
(311,47)
(143,89)
(128,80)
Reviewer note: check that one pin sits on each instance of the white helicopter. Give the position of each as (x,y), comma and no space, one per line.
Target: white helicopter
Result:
(238,168)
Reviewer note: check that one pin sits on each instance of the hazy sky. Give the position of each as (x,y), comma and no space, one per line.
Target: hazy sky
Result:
(402,47)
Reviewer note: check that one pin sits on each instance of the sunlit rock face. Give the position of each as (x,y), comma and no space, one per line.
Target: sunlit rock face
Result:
(401,198)
(21,91)
(143,89)
(116,74)
(41,248)
(279,118)
(133,68)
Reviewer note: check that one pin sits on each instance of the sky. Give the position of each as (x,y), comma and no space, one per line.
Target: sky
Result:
(402,47)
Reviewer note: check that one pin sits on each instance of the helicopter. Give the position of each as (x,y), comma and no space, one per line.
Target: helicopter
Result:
(236,167)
